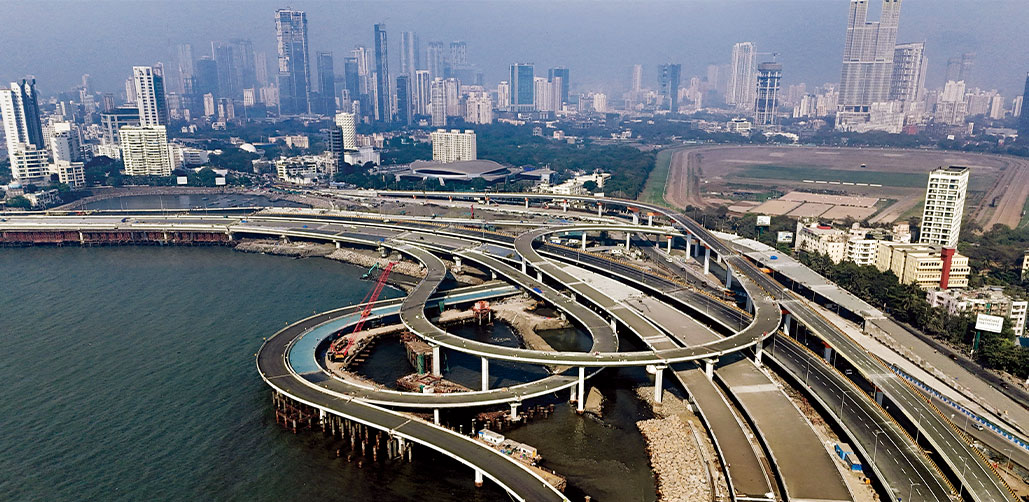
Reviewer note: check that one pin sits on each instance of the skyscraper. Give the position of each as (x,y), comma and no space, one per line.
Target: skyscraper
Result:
(767,96)
(435,59)
(458,57)
(438,102)
(452,88)
(347,123)
(960,68)
(184,65)
(205,77)
(944,206)
(421,92)
(351,78)
(236,69)
(908,81)
(149,83)
(404,99)
(541,90)
(560,73)
(383,101)
(294,68)
(326,84)
(503,95)
(19,106)
(637,78)
(867,61)
(668,86)
(409,53)
(522,87)
(1023,114)
(742,80)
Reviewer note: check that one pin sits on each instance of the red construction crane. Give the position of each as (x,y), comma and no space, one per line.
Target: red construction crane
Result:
(341,347)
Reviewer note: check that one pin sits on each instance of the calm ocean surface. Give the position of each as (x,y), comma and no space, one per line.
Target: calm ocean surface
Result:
(129,375)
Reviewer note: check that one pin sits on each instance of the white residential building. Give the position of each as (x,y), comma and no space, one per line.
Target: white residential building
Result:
(347,122)
(65,142)
(438,103)
(144,150)
(743,77)
(944,206)
(150,99)
(29,164)
(453,146)
(306,169)
(69,173)
(478,108)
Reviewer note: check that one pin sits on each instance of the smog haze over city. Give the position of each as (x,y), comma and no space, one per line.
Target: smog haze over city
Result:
(546,251)
(598,40)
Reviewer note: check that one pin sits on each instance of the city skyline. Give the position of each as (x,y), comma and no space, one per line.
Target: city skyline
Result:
(808,50)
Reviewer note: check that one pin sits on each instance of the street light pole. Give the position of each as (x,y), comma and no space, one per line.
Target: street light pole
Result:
(911,488)
(876,449)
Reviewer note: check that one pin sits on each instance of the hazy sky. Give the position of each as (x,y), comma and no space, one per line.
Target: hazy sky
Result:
(598,40)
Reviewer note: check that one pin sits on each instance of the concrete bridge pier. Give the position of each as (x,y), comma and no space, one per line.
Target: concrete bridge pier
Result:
(564,206)
(707,260)
(827,353)
(759,349)
(627,235)
(437,370)
(525,266)
(526,203)
(786,321)
(457,264)
(613,325)
(339,244)
(635,219)
(485,374)
(493,275)
(478,478)
(514,412)
(435,416)
(573,398)
(539,276)
(583,240)
(582,390)
(689,244)
(600,210)
(659,376)
(650,220)
(709,367)
(669,250)
(750,304)
(728,276)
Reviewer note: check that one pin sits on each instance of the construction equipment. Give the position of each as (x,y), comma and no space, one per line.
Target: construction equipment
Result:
(340,348)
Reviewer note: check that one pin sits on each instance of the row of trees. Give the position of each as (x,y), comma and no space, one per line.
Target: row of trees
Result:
(907,303)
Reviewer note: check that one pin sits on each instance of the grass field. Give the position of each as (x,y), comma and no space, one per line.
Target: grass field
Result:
(654,188)
(784,173)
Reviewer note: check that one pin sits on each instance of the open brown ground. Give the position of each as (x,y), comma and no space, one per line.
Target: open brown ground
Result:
(720,169)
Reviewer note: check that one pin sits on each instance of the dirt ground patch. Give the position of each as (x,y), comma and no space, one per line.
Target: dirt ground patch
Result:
(998,186)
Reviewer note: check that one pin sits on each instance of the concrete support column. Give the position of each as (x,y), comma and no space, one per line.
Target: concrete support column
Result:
(457,264)
(689,244)
(338,245)
(539,276)
(437,370)
(435,416)
(728,276)
(564,206)
(583,240)
(493,275)
(650,220)
(485,374)
(514,412)
(709,368)
(526,203)
(82,238)
(658,383)
(635,219)
(627,235)
(759,349)
(572,397)
(750,304)
(525,266)
(478,478)
(827,354)
(582,390)
(707,260)
(600,210)
(613,325)
(786,323)
(878,396)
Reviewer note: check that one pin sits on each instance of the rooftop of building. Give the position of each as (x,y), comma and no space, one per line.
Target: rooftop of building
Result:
(954,170)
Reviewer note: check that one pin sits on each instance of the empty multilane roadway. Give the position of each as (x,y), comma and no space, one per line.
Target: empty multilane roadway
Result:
(967,464)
